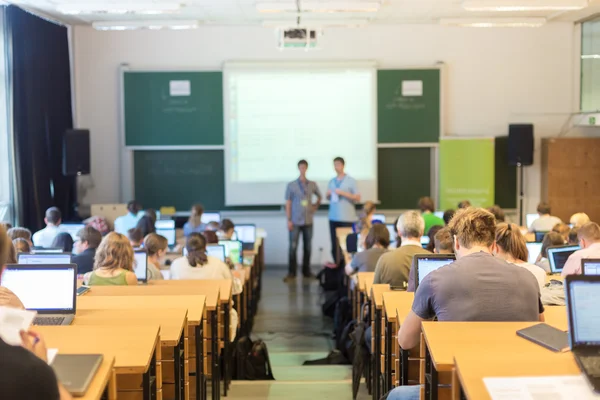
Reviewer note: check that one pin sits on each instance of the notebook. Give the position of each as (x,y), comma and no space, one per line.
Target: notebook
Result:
(546,336)
(76,371)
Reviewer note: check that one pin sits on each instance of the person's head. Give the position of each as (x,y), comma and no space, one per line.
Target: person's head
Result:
(573,236)
(544,208)
(6,248)
(563,229)
(588,234)
(510,244)
(378,236)
(551,239)
(114,252)
(21,245)
(156,246)
(211,237)
(431,234)
(64,241)
(212,226)
(411,225)
(473,230)
(196,215)
(366,215)
(302,167)
(426,204)
(196,249)
(6,225)
(579,219)
(448,214)
(20,233)
(464,204)
(338,165)
(146,226)
(227,228)
(135,237)
(443,242)
(87,238)
(53,216)
(151,213)
(498,213)
(134,207)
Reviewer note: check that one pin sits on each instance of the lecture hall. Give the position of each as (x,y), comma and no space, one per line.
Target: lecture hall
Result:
(300,199)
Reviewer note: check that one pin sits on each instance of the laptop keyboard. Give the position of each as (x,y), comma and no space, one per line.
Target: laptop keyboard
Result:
(45,321)
(591,365)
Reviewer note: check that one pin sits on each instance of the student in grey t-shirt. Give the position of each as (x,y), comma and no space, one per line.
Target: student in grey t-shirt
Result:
(545,222)
(376,242)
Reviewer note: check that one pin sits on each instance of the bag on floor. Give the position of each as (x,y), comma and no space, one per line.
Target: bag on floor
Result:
(252,361)
(343,315)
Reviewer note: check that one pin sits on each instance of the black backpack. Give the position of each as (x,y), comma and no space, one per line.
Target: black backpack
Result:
(252,360)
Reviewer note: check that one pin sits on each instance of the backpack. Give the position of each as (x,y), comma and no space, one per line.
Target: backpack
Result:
(342,315)
(252,360)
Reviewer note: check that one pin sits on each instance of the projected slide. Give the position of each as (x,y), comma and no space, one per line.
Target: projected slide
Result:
(278,114)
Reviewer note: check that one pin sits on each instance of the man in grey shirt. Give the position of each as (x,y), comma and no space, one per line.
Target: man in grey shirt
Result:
(300,209)
(545,222)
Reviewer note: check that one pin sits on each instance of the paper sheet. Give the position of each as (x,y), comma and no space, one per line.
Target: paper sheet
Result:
(540,388)
(51,354)
(12,322)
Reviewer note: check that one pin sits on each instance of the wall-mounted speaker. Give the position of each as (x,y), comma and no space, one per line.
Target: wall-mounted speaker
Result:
(520,144)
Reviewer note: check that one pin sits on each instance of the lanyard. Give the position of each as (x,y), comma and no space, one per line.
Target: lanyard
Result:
(303,188)
(338,183)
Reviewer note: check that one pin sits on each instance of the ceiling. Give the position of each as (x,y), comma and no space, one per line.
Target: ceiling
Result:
(243,12)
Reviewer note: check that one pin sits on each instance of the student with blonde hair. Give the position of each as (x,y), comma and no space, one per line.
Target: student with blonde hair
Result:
(114,262)
(194,223)
(7,253)
(20,233)
(365,222)
(578,220)
(156,247)
(510,245)
(21,245)
(589,240)
(562,229)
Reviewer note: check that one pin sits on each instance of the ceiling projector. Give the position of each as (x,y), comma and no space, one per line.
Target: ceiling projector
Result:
(298,38)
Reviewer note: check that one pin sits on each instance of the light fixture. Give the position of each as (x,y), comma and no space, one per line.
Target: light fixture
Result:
(590,56)
(152,25)
(319,7)
(316,23)
(494,22)
(124,8)
(524,5)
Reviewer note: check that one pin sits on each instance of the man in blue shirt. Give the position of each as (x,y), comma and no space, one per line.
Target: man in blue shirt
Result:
(342,194)
(300,209)
(129,221)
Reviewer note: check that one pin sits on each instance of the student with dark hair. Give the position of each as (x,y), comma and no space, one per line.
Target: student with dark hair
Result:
(88,240)
(427,207)
(63,241)
(125,222)
(226,230)
(45,237)
(197,264)
(146,225)
(194,223)
(431,235)
(550,239)
(20,233)
(545,222)
(498,213)
(211,237)
(156,247)
(136,237)
(376,243)
(448,214)
(464,204)
(573,236)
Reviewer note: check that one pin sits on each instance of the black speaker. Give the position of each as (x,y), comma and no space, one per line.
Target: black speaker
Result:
(520,144)
(76,152)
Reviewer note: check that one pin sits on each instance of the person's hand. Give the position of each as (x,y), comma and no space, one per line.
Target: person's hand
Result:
(35,343)
(8,298)
(315,207)
(290,226)
(339,191)
(328,192)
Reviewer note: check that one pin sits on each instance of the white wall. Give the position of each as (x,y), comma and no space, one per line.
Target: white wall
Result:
(493,77)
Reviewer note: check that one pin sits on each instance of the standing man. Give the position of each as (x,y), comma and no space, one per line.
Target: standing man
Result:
(300,210)
(342,194)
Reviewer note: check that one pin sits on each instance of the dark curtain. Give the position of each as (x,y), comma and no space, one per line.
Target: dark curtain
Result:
(41,89)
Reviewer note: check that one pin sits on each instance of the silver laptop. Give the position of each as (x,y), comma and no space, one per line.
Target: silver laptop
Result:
(140,266)
(49,289)
(44,258)
(76,371)
(166,228)
(216,250)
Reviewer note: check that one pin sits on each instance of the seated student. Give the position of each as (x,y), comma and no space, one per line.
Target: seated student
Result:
(464,204)
(63,241)
(45,237)
(21,245)
(498,213)
(550,239)
(476,287)
(431,235)
(135,237)
(195,223)
(125,222)
(589,240)
(442,245)
(20,233)
(562,229)
(573,236)
(156,246)
(376,243)
(213,226)
(510,245)
(211,237)
(545,222)
(114,262)
(146,225)
(88,240)
(427,208)
(448,214)
(226,230)
(198,265)
(578,220)
(365,221)
(7,250)
(393,267)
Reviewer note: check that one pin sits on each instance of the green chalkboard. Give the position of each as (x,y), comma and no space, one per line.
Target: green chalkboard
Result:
(505,176)
(161,111)
(404,113)
(404,175)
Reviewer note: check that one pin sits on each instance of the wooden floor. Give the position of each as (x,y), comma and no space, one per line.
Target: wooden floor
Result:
(289,320)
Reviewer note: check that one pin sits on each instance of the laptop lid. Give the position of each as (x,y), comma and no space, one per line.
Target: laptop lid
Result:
(558,255)
(427,263)
(529,218)
(166,228)
(47,289)
(44,258)
(233,250)
(216,250)
(590,266)
(534,250)
(76,371)
(140,265)
(210,217)
(164,224)
(49,250)
(71,229)
(583,297)
(246,233)
(539,236)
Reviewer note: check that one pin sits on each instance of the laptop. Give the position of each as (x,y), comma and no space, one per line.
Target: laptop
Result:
(48,250)
(166,228)
(558,255)
(140,266)
(583,297)
(590,266)
(71,229)
(216,250)
(49,289)
(539,236)
(246,233)
(534,250)
(210,217)
(379,218)
(76,371)
(427,263)
(529,218)
(233,250)
(44,258)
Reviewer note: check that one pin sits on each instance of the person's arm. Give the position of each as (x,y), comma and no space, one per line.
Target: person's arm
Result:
(541,310)
(319,198)
(352,197)
(288,214)
(8,298)
(131,278)
(409,334)
(352,265)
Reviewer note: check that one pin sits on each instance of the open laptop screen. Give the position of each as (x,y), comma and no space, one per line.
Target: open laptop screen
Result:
(439,214)
(378,217)
(557,256)
(426,265)
(534,250)
(50,258)
(71,229)
(216,250)
(584,313)
(246,233)
(42,288)
(140,266)
(590,266)
(233,250)
(210,217)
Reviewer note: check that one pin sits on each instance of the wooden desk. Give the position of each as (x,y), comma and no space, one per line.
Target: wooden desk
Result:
(360,292)
(104,383)
(557,317)
(133,348)
(376,296)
